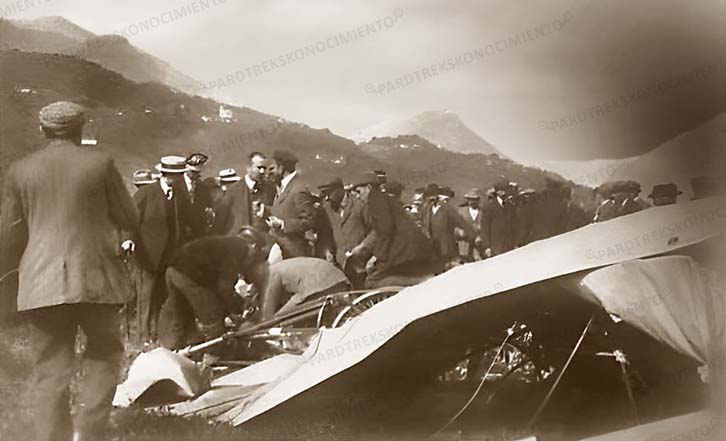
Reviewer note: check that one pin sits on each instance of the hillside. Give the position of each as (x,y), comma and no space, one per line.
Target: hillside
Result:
(35,40)
(699,152)
(115,53)
(118,119)
(56,35)
(444,128)
(461,172)
(138,123)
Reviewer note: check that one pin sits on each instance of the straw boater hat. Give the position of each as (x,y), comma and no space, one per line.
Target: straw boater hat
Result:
(172,164)
(144,176)
(228,175)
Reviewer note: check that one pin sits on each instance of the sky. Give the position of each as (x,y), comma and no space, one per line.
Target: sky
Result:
(528,77)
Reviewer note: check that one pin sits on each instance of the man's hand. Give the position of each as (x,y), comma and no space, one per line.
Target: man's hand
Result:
(127,249)
(275,223)
(371,264)
(329,256)
(356,251)
(488,252)
(478,241)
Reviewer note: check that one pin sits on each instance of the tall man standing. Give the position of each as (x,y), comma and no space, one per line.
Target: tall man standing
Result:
(470,248)
(167,221)
(440,220)
(293,212)
(70,206)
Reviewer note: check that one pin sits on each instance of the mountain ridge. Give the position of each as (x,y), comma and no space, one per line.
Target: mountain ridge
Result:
(57,35)
(444,128)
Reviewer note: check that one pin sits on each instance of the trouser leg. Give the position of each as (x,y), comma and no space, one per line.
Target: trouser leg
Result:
(158,298)
(52,333)
(176,320)
(101,366)
(152,296)
(206,305)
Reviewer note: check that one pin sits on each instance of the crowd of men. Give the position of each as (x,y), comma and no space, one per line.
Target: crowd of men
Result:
(79,246)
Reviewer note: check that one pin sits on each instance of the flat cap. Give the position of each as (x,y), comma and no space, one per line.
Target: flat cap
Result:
(394,187)
(664,190)
(336,183)
(367,178)
(61,116)
(144,176)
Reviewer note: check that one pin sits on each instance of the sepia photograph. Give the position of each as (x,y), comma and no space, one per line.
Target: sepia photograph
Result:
(362,220)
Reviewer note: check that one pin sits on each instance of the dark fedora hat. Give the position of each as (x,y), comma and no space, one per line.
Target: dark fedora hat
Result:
(431,190)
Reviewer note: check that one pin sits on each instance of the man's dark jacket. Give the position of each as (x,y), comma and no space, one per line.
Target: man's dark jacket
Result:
(164,224)
(398,240)
(294,205)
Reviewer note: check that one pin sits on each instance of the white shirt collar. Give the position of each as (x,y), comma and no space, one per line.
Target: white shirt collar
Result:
(473,212)
(165,187)
(188,182)
(286,181)
(250,182)
(435,208)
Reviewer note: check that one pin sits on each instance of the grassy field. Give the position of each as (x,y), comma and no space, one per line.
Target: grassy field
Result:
(578,409)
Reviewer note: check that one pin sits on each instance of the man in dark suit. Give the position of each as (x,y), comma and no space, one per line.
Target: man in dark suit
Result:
(352,252)
(470,248)
(167,221)
(324,236)
(292,212)
(64,212)
(332,195)
(201,191)
(498,222)
(201,278)
(440,220)
(248,201)
(401,255)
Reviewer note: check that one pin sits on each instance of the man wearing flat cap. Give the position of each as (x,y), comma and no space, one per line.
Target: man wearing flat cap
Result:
(65,211)
(143,177)
(292,212)
(664,194)
(440,222)
(345,211)
(167,220)
(470,247)
(201,190)
(394,189)
(401,255)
